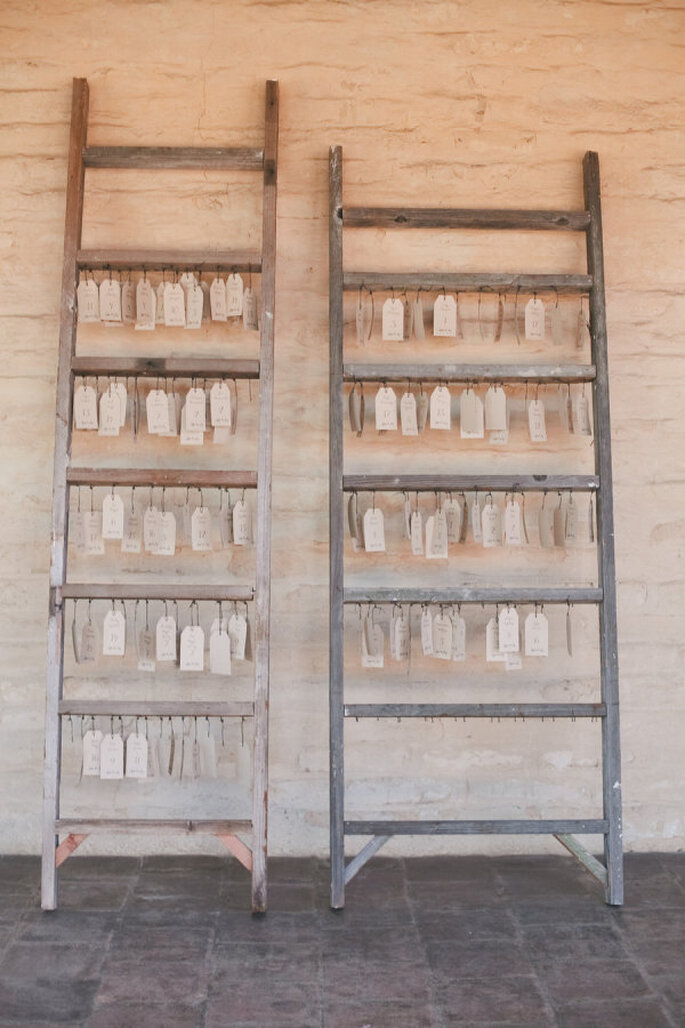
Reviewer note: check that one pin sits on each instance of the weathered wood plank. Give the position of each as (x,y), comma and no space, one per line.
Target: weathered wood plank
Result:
(336,529)
(475,594)
(491,710)
(166,477)
(122,826)
(433,281)
(240,158)
(369,850)
(392,372)
(587,859)
(263,543)
(152,591)
(60,490)
(154,708)
(237,847)
(455,217)
(64,850)
(608,636)
(170,260)
(167,367)
(466,483)
(595,826)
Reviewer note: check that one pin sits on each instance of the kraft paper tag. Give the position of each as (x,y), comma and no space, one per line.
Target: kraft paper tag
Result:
(110,413)
(495,410)
(416,533)
(393,320)
(201,529)
(157,411)
(442,636)
(194,306)
(242,529)
(492,650)
(85,408)
(128,302)
(110,300)
(132,540)
(453,516)
(234,296)
(386,410)
(440,408)
(436,538)
(513,523)
(220,405)
(114,634)
(88,301)
(472,415)
(400,637)
(237,630)
(217,300)
(458,638)
(195,410)
(151,521)
(476,520)
(491,525)
(250,317)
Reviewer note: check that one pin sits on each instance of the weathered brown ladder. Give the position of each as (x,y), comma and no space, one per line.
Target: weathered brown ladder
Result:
(589,221)
(82,156)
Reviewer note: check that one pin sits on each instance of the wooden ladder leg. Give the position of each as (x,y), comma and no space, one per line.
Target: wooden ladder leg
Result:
(60,490)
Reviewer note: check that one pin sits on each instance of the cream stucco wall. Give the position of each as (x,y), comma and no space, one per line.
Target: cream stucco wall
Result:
(452,103)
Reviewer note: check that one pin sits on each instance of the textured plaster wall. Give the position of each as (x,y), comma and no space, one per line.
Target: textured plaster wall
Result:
(435,102)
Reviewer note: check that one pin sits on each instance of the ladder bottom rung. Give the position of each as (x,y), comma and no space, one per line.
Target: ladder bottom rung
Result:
(507,827)
(85,826)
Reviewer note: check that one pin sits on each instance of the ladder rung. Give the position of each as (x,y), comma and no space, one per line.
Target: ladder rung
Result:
(148,708)
(432,281)
(475,594)
(171,591)
(506,710)
(168,477)
(468,372)
(164,260)
(455,217)
(167,367)
(244,158)
(86,826)
(464,483)
(507,827)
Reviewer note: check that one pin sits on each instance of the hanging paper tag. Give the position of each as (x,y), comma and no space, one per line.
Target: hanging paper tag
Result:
(165,638)
(217,299)
(151,529)
(237,630)
(77,536)
(250,319)
(373,644)
(220,405)
(374,530)
(136,756)
(536,421)
(112,517)
(445,316)
(118,389)
(89,643)
(417,319)
(426,632)
(188,436)
(440,412)
(201,529)
(194,306)
(110,300)
(400,638)
(513,662)
(85,408)
(496,409)
(88,300)
(386,410)
(166,534)
(416,533)
(356,405)
(92,532)
(442,637)
(393,320)
(476,521)
(508,627)
(159,303)
(234,296)
(128,302)
(92,740)
(112,757)
(242,528)
(422,404)
(436,539)
(408,417)
(192,648)
(492,650)
(453,513)
(537,635)
(226,524)
(195,410)
(157,411)
(114,634)
(458,638)
(146,305)
(582,424)
(472,420)
(132,541)
(491,525)
(407,322)
(220,653)
(110,413)
(535,319)
(513,523)
(571,526)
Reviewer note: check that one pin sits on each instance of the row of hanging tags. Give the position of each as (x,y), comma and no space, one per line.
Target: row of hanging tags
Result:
(162,641)
(403,319)
(417,410)
(183,300)
(559,523)
(443,635)
(157,530)
(167,412)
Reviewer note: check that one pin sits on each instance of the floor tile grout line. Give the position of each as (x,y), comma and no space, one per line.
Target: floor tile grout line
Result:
(644,974)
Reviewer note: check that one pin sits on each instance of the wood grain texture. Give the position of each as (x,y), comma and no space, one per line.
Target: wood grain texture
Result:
(160,826)
(434,281)
(491,710)
(474,594)
(455,217)
(167,367)
(170,260)
(467,483)
(154,708)
(243,158)
(206,478)
(455,372)
(548,826)
(168,591)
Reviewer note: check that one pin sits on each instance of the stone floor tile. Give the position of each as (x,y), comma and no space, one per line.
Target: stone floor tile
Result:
(104,894)
(464,925)
(563,910)
(154,981)
(89,927)
(643,925)
(378,1014)
(52,1000)
(266,961)
(646,1013)
(568,981)
(285,1004)
(479,958)
(503,999)
(366,980)
(548,943)
(140,1014)
(402,945)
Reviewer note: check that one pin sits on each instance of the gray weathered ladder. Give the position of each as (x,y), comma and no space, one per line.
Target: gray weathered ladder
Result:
(589,221)
(81,156)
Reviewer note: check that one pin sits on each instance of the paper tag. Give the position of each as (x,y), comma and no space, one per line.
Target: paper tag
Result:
(537,635)
(151,528)
(407,323)
(496,409)
(192,648)
(166,534)
(582,422)
(476,522)
(491,522)
(226,524)
(132,541)
(201,529)
(136,756)
(373,644)
(422,404)
(374,530)
(118,389)
(92,740)
(234,296)
(237,630)
(408,419)
(508,628)
(436,539)
(513,662)
(400,637)
(220,653)
(242,527)
(112,517)
(77,536)
(440,408)
(513,523)
(386,409)
(85,408)
(128,302)
(188,436)
(217,300)
(535,319)
(458,638)
(453,516)
(110,413)
(571,526)
(492,650)
(114,634)
(356,405)
(472,419)
(194,306)
(165,638)
(546,526)
(393,320)
(146,650)
(89,643)
(250,319)
(195,410)
(416,533)
(88,301)
(418,324)
(220,405)
(159,303)
(442,637)
(157,410)
(426,632)
(146,305)
(556,325)
(92,533)
(110,300)
(112,757)
(536,421)
(559,525)
(445,316)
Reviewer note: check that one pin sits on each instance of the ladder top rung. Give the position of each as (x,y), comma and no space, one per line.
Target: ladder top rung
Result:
(170,260)
(171,591)
(167,477)
(433,372)
(244,158)
(154,708)
(475,594)
(458,217)
(459,281)
(486,710)
(465,483)
(167,367)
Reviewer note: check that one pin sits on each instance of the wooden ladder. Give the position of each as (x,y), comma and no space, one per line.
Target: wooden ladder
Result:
(588,221)
(249,159)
